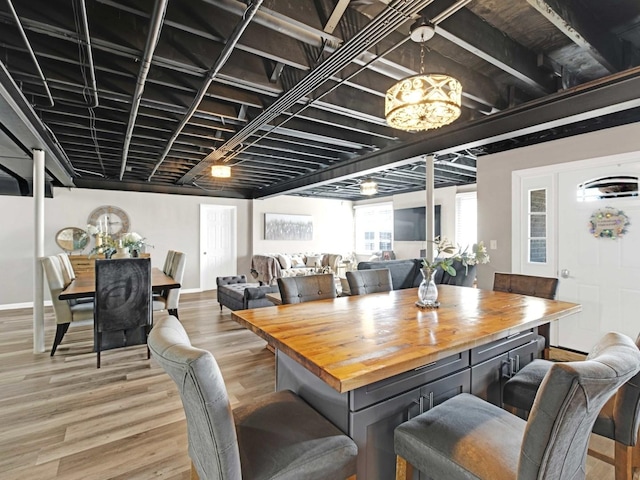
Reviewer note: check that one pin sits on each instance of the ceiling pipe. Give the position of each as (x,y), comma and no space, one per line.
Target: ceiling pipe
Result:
(439,18)
(157,19)
(31,52)
(395,15)
(230,44)
(92,70)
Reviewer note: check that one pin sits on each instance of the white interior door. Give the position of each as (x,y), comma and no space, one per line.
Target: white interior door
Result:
(218,232)
(602,274)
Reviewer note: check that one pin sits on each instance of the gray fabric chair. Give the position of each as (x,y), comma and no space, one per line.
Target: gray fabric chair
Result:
(170,299)
(466,437)
(307,288)
(277,437)
(618,420)
(122,307)
(362,282)
(58,278)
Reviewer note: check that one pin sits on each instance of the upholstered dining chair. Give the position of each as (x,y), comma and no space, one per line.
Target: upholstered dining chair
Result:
(618,420)
(543,287)
(170,298)
(278,436)
(307,288)
(369,281)
(466,437)
(66,313)
(122,307)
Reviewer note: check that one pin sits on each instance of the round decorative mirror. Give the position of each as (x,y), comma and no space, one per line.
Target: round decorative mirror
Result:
(71,239)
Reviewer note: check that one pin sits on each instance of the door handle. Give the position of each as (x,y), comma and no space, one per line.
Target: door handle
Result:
(565,273)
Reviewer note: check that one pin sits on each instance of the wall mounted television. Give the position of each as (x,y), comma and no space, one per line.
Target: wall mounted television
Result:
(410,224)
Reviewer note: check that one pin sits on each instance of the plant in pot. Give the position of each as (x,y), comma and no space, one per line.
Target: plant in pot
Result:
(445,256)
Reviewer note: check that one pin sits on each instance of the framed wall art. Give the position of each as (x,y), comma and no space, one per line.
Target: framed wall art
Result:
(280,226)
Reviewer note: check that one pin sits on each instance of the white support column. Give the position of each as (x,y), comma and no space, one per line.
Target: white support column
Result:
(430,203)
(38,251)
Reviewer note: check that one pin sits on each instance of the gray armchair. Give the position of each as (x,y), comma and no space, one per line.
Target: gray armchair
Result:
(466,437)
(369,281)
(307,288)
(618,420)
(277,437)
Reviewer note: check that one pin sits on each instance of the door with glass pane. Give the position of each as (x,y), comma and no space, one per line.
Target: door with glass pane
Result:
(599,261)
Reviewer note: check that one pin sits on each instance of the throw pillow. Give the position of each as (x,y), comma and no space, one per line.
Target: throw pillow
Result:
(296,261)
(284,260)
(313,261)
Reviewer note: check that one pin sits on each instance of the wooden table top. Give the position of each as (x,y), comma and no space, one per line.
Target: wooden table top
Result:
(84,285)
(353,341)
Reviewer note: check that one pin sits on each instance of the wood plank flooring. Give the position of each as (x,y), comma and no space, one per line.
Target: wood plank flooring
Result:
(61,418)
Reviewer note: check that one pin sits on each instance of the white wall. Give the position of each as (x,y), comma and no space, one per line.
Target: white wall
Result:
(167,221)
(494,183)
(332,225)
(445,197)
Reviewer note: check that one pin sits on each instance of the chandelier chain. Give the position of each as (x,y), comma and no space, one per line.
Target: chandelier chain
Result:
(422,58)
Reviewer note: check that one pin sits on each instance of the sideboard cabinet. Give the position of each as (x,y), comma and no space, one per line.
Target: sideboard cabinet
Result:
(87,263)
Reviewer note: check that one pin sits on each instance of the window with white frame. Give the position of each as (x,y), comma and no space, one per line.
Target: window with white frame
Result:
(466,219)
(538,226)
(374,227)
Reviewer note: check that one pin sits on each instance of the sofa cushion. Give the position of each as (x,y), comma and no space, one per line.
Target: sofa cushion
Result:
(285,260)
(297,261)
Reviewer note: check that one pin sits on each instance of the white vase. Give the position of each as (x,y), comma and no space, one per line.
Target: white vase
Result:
(121,252)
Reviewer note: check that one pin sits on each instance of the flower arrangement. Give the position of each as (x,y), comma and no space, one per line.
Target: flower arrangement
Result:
(134,241)
(107,245)
(447,253)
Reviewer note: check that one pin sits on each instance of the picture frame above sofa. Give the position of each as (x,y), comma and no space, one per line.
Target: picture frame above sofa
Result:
(280,226)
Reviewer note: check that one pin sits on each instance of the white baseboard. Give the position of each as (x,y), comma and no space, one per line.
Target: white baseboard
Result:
(47,303)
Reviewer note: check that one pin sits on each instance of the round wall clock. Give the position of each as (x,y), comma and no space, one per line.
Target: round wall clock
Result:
(110,219)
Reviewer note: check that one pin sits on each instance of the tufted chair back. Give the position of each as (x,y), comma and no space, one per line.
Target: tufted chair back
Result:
(307,288)
(369,281)
(564,411)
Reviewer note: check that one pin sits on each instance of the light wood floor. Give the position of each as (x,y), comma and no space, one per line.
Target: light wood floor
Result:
(61,418)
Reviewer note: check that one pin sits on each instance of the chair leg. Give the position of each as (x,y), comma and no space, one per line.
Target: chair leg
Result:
(623,455)
(194,473)
(98,345)
(61,329)
(404,470)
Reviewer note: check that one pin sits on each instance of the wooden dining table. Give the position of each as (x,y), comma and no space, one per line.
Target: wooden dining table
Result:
(368,362)
(84,285)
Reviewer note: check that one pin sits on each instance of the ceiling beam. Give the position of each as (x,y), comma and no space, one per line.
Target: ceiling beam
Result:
(590,100)
(583,29)
(490,44)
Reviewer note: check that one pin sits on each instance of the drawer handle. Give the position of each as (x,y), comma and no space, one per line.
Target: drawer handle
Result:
(425,366)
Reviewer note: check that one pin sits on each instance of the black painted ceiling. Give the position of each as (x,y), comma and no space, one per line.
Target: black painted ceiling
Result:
(147,95)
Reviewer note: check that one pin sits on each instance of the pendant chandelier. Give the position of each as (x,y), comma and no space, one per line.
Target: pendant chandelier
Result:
(423,101)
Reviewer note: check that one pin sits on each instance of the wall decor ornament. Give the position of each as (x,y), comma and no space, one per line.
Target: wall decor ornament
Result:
(608,222)
(279,226)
